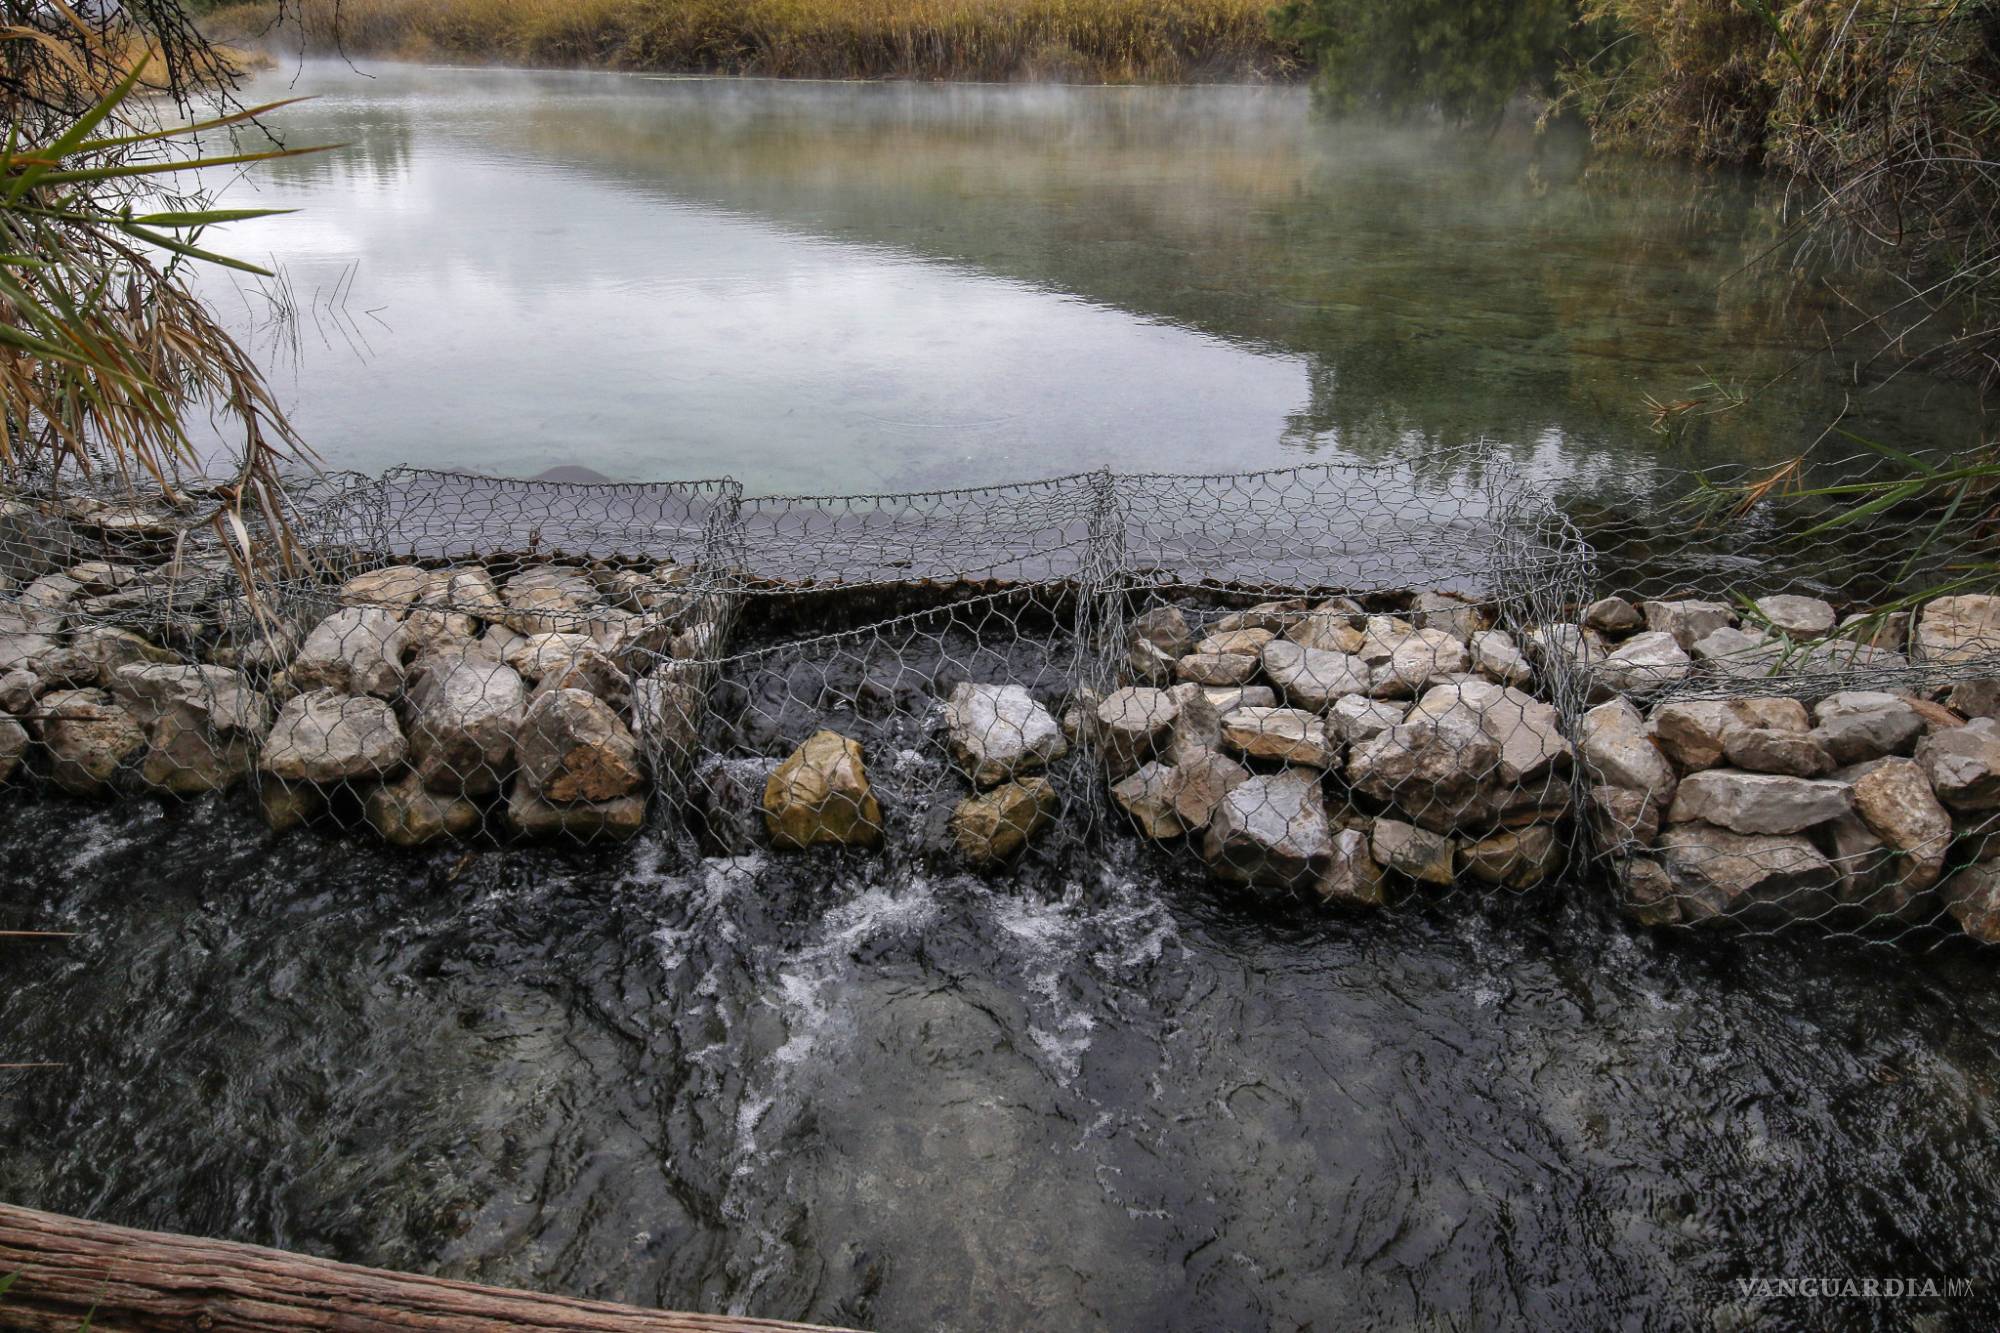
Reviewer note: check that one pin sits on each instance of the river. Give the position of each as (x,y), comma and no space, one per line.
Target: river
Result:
(859,287)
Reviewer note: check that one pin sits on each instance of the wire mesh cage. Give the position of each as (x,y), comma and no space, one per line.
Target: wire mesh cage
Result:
(1786,719)
(1320,676)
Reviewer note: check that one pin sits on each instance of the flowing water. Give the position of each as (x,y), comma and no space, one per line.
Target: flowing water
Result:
(860,287)
(865,1096)
(1129,1103)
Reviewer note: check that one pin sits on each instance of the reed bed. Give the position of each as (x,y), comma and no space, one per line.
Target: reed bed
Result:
(1085,41)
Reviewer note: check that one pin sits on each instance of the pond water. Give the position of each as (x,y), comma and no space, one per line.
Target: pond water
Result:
(851,287)
(1130,1103)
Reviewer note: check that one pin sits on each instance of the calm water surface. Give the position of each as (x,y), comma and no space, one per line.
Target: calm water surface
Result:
(851,287)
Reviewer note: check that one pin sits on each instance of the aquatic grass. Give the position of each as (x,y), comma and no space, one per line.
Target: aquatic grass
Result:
(1086,41)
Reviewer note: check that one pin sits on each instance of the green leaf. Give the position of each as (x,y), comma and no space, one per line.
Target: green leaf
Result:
(180,247)
(79,130)
(206,217)
(95,174)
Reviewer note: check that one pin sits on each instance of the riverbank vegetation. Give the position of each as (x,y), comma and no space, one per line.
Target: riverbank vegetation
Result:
(1082,41)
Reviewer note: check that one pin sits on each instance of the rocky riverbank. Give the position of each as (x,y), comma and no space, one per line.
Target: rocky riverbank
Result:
(1348,748)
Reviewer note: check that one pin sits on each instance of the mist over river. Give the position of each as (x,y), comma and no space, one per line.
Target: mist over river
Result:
(856,287)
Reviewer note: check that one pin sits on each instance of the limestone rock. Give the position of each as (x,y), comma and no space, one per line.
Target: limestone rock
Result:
(1166,628)
(1380,636)
(1796,616)
(1744,653)
(1355,718)
(667,709)
(1758,802)
(1622,821)
(1612,615)
(1134,724)
(1644,664)
(548,599)
(1617,751)
(1457,616)
(463,721)
(537,655)
(1887,630)
(1412,852)
(1235,643)
(1150,664)
(396,588)
(106,649)
(1963,765)
(325,736)
(1271,832)
(1270,617)
(356,650)
(286,805)
(590,669)
(1495,656)
(573,747)
(1895,800)
(25,651)
(89,739)
(13,745)
(1312,678)
(1352,878)
(1959,629)
(18,690)
(699,642)
(995,825)
(1199,783)
(1229,698)
(1434,768)
(1972,896)
(1857,725)
(586,821)
(1079,719)
(1287,735)
(202,723)
(1688,621)
(1216,668)
(1328,627)
(1718,874)
(1528,731)
(1694,733)
(1415,660)
(1869,881)
(1647,893)
(1198,727)
(1147,796)
(820,794)
(1514,858)
(468,592)
(408,814)
(1978,697)
(1769,750)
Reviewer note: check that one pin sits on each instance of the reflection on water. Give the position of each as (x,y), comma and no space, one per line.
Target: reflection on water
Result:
(816,287)
(942,1103)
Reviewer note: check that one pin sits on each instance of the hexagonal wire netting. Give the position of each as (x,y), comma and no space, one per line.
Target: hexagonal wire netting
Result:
(1355,679)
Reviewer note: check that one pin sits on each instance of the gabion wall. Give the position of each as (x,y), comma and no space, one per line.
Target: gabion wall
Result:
(1351,682)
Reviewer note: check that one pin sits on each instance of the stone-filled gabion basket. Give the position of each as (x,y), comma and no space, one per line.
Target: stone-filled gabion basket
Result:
(1320,684)
(1782,759)
(898,679)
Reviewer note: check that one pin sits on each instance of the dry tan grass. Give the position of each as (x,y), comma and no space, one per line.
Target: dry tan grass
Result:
(1092,41)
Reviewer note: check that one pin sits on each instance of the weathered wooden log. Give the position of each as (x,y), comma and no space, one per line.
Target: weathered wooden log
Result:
(131,1281)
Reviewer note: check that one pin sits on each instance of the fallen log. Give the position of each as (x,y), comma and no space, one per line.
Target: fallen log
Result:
(130,1281)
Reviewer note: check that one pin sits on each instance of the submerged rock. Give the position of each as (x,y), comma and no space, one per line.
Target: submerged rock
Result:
(1972,896)
(585,821)
(13,745)
(1352,878)
(1412,852)
(408,814)
(1514,858)
(820,794)
(995,825)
